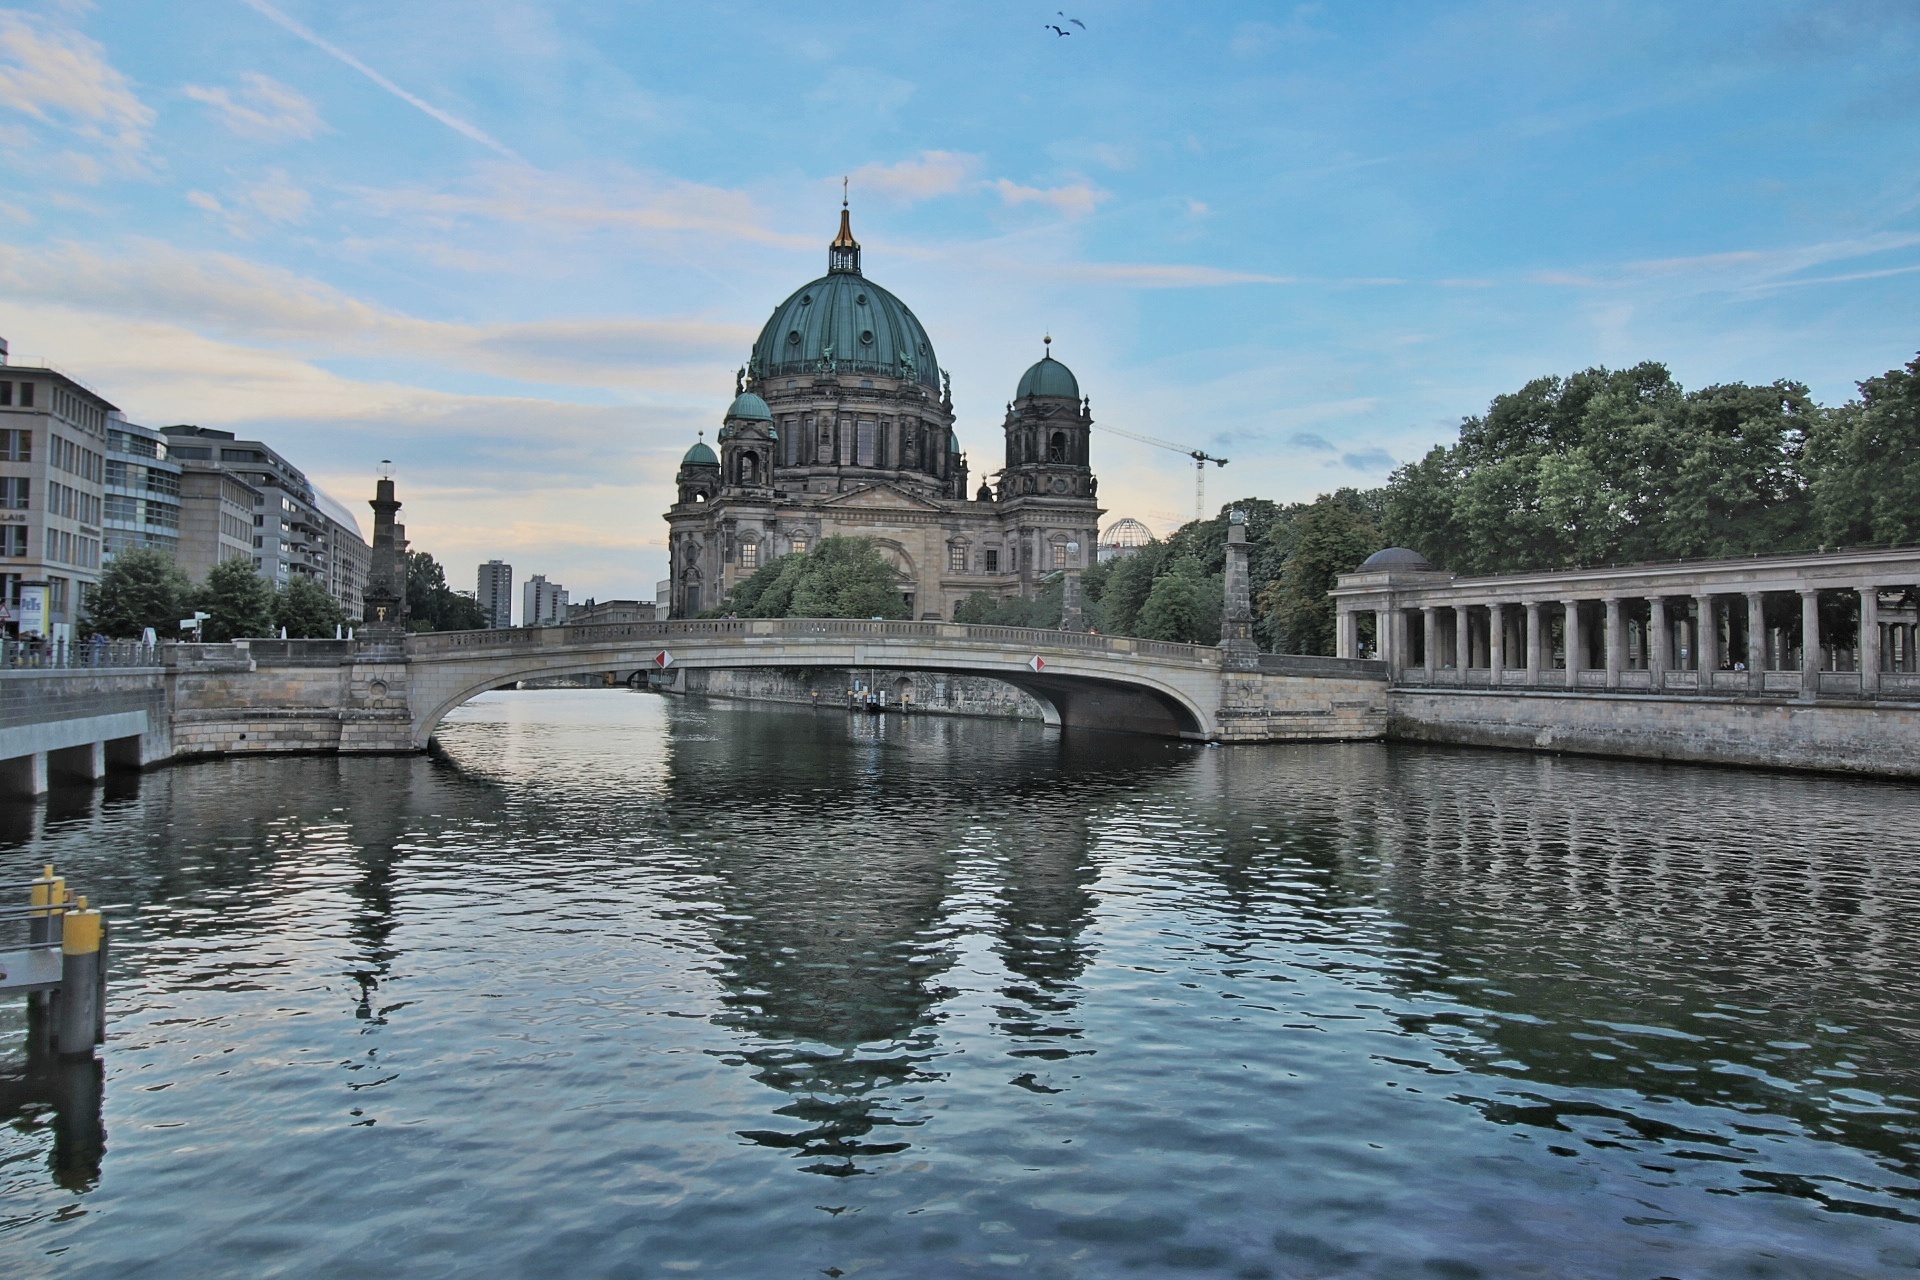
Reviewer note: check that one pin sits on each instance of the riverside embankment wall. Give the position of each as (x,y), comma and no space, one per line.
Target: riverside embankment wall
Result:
(930,692)
(1839,737)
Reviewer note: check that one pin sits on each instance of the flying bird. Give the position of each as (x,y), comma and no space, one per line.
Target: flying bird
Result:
(1057,31)
(1075,21)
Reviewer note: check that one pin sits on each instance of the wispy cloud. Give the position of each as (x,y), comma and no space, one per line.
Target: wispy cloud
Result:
(932,173)
(58,76)
(327,47)
(261,108)
(1075,200)
(266,306)
(1311,442)
(610,200)
(1371,461)
(1151,275)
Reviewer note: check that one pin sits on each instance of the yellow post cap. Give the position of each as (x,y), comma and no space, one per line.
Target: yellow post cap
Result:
(81,934)
(47,893)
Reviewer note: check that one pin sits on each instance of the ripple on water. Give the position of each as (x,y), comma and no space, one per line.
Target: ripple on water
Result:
(627,986)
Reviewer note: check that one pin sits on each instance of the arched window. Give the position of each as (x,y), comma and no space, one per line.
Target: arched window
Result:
(749,468)
(956,557)
(749,554)
(1057,447)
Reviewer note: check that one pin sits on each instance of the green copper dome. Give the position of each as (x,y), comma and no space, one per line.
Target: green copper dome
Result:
(1048,378)
(853,323)
(700,456)
(749,405)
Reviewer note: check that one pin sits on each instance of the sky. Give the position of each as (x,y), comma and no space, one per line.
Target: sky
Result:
(519,249)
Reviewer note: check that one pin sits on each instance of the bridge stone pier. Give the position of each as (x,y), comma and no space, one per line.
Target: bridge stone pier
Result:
(342,696)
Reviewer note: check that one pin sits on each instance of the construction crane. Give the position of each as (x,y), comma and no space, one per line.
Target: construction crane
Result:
(1200,461)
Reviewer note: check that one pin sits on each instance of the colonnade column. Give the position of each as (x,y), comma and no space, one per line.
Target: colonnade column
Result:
(1397,654)
(1616,642)
(1810,642)
(1346,641)
(1534,646)
(1869,639)
(1462,641)
(1756,641)
(1496,642)
(1659,642)
(1706,640)
(1432,623)
(1572,632)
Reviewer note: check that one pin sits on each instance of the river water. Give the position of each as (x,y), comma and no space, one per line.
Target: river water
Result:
(627,986)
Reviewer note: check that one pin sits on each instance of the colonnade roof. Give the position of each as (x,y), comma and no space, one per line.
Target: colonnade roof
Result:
(1800,571)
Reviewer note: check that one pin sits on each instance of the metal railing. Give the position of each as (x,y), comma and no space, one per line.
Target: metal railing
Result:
(65,655)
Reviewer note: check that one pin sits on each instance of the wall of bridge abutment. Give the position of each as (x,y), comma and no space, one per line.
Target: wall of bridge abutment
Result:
(1837,629)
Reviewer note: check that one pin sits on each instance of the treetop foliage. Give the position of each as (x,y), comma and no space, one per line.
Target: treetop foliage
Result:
(434,606)
(840,577)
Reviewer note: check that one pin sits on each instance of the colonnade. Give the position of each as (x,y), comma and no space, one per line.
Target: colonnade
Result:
(1754,639)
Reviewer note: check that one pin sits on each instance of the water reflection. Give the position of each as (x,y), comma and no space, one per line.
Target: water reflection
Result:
(1337,1010)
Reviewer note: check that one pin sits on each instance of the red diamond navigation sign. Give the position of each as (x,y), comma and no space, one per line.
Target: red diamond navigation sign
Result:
(663,659)
(1036,662)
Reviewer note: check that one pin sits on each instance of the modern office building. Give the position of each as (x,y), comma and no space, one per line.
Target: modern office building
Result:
(347,555)
(296,531)
(53,445)
(542,603)
(216,519)
(496,593)
(142,491)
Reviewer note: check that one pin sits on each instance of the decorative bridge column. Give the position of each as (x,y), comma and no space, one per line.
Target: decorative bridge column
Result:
(1869,646)
(1236,624)
(1575,642)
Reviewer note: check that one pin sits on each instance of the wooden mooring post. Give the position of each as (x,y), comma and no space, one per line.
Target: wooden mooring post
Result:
(62,969)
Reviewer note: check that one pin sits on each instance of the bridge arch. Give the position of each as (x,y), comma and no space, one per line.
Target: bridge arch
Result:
(1091,682)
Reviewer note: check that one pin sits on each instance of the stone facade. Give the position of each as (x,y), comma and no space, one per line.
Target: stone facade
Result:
(842,424)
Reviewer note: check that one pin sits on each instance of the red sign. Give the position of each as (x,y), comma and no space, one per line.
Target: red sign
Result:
(1036,662)
(663,659)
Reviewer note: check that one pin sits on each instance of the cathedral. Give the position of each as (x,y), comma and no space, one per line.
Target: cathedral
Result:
(842,424)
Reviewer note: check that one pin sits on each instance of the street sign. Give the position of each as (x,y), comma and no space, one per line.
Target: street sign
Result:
(663,659)
(1037,662)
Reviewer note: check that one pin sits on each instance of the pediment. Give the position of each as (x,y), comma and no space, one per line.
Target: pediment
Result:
(881,496)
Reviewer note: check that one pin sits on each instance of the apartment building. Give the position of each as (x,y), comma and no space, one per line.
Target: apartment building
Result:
(52,469)
(542,603)
(142,491)
(496,593)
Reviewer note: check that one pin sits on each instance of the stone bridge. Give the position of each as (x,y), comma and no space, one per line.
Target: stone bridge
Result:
(340,696)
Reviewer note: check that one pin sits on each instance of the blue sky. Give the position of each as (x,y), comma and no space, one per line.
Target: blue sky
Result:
(520,248)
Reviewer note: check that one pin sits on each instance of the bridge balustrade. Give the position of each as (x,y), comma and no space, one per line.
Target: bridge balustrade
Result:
(453,642)
(39,655)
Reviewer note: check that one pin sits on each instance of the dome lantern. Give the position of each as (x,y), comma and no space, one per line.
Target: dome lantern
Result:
(843,255)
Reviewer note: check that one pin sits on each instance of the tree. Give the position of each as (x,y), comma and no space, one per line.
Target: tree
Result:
(1606,466)
(1044,609)
(305,610)
(1185,605)
(1864,458)
(434,606)
(1329,538)
(143,587)
(238,601)
(841,577)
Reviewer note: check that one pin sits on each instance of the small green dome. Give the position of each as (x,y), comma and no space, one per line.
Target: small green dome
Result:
(749,405)
(700,456)
(1048,378)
